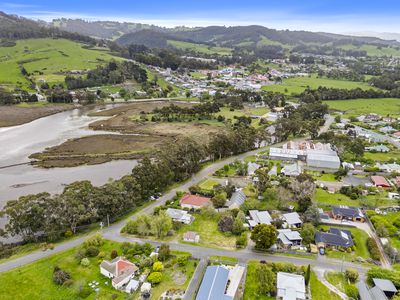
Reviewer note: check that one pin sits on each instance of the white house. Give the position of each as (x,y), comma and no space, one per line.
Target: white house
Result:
(121,271)
(288,238)
(291,170)
(292,220)
(290,286)
(179,215)
(259,217)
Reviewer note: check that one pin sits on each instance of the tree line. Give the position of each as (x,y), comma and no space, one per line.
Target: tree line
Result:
(49,217)
(175,112)
(112,73)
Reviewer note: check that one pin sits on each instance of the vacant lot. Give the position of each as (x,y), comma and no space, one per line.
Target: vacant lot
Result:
(46,59)
(297,85)
(19,114)
(97,149)
(356,107)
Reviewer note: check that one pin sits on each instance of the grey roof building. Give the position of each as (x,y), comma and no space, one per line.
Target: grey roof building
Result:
(347,212)
(213,284)
(384,289)
(259,217)
(335,237)
(236,200)
(292,219)
(385,286)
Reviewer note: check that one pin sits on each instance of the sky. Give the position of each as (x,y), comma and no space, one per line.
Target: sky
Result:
(338,16)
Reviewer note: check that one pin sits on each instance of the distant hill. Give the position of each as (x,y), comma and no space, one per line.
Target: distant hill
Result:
(245,36)
(100,29)
(14,27)
(382,35)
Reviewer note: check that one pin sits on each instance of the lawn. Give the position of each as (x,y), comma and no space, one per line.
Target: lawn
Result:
(324,177)
(319,291)
(324,198)
(382,157)
(210,236)
(338,280)
(202,48)
(47,56)
(356,107)
(297,85)
(208,184)
(373,50)
(34,281)
(360,240)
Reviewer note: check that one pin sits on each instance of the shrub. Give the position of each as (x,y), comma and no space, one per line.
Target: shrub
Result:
(164,252)
(79,255)
(84,291)
(351,275)
(68,283)
(241,241)
(182,260)
(68,234)
(95,241)
(147,262)
(101,255)
(158,266)
(113,254)
(351,291)
(60,276)
(92,251)
(85,262)
(155,277)
(373,249)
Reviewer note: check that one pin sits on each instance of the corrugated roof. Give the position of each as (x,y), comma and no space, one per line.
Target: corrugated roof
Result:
(214,284)
(292,218)
(385,285)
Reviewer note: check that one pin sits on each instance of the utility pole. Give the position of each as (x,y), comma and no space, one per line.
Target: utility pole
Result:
(108,220)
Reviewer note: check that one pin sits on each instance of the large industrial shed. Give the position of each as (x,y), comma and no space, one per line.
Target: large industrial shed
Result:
(323,161)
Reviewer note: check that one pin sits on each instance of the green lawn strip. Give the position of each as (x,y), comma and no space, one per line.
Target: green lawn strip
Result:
(383,157)
(324,177)
(360,241)
(323,197)
(208,184)
(319,291)
(337,279)
(202,48)
(223,259)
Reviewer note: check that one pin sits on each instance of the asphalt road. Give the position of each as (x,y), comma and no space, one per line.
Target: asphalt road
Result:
(113,232)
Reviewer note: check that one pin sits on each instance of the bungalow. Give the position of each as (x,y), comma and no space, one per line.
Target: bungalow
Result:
(379,148)
(290,286)
(292,220)
(380,181)
(291,170)
(121,271)
(390,168)
(236,200)
(288,238)
(179,215)
(259,217)
(191,237)
(194,201)
(344,212)
(252,168)
(334,238)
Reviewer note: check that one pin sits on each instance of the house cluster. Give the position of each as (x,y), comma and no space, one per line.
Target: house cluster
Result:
(315,156)
(122,274)
(221,282)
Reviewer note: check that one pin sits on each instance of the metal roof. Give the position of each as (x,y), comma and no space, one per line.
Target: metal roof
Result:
(214,284)
(292,218)
(385,285)
(335,237)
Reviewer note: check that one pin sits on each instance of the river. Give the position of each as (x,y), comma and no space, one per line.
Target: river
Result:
(18,178)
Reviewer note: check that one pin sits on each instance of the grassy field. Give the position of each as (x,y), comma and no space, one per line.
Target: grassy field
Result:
(360,240)
(382,157)
(373,50)
(319,291)
(297,85)
(202,48)
(326,200)
(356,107)
(210,236)
(34,281)
(48,56)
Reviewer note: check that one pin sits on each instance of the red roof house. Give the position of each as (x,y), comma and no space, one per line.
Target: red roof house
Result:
(120,270)
(397,180)
(194,201)
(380,181)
